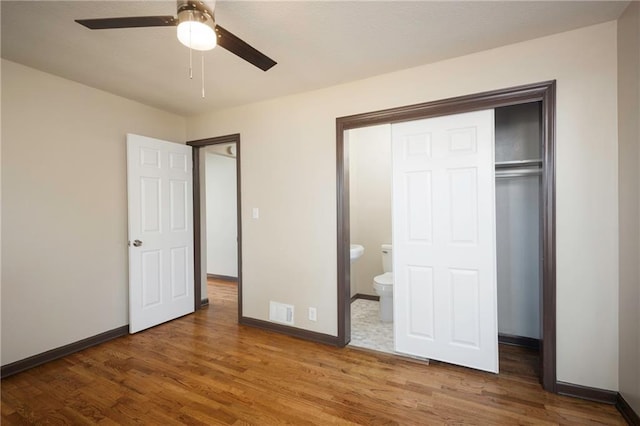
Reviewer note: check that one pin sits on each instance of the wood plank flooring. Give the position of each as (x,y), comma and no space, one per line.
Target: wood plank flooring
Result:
(206,369)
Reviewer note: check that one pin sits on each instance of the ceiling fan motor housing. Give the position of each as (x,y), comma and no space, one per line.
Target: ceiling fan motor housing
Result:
(206,8)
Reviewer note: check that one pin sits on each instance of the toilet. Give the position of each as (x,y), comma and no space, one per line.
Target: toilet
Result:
(383,285)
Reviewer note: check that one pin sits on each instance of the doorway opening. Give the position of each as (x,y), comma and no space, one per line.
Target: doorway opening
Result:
(217,160)
(220,192)
(542,93)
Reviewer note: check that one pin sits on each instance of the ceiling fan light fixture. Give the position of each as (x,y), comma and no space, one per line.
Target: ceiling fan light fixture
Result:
(196,30)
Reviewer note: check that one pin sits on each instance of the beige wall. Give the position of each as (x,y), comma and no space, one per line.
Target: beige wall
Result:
(64,211)
(64,238)
(288,170)
(629,199)
(370,201)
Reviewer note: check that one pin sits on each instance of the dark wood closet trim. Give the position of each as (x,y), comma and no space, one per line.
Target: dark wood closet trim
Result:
(53,354)
(543,92)
(197,224)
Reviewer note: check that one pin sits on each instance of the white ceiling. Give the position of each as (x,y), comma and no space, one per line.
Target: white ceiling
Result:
(316,44)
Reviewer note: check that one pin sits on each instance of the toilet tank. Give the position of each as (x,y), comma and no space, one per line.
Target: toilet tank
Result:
(387,258)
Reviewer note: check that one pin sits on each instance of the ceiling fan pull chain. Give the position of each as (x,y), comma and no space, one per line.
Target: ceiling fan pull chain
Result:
(190,56)
(202,56)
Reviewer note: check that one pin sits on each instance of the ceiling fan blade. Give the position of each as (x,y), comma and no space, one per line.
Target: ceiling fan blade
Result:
(240,48)
(128,22)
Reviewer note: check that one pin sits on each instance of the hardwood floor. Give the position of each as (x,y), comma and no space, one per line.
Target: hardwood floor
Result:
(206,369)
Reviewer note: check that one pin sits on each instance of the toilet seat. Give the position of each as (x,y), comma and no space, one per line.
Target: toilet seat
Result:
(384,279)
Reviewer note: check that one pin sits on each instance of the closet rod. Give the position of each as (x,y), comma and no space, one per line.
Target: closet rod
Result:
(517,163)
(517,173)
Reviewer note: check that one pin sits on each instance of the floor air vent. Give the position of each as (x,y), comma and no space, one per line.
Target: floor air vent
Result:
(280,312)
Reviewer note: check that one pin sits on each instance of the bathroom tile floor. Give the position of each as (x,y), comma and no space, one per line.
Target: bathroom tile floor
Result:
(367,331)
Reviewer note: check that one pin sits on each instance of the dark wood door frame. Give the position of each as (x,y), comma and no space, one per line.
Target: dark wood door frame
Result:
(197,207)
(543,92)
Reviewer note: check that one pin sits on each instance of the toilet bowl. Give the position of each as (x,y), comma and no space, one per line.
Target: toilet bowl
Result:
(383,285)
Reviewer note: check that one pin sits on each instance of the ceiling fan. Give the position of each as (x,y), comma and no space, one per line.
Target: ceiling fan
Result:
(196,28)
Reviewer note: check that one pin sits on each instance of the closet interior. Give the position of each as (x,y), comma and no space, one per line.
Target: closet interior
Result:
(518,179)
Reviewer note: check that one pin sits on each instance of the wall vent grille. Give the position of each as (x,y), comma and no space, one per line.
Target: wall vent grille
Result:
(281,312)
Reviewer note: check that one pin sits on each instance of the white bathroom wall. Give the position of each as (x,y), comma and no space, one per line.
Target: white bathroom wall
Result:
(370,201)
(221,205)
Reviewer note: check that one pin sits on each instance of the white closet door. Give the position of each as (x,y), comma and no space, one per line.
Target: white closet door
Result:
(159,180)
(444,239)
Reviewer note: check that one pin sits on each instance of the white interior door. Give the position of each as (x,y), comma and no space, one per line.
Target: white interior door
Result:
(159,182)
(444,239)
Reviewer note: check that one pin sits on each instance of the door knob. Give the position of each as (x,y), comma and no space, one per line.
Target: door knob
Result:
(137,243)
